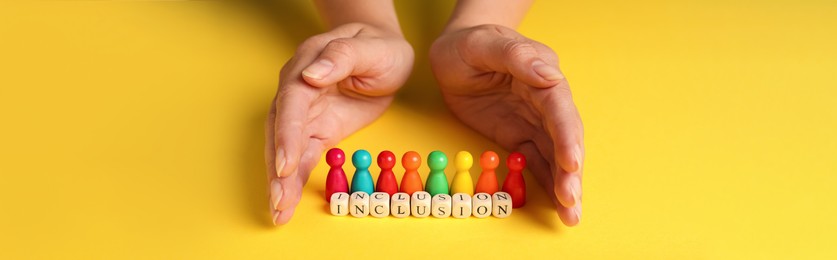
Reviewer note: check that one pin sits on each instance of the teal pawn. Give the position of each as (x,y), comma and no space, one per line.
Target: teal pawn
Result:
(362,180)
(437,182)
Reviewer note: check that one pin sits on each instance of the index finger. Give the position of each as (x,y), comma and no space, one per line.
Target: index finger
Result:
(563,124)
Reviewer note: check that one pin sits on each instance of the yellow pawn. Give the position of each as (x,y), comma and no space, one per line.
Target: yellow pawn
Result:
(462,182)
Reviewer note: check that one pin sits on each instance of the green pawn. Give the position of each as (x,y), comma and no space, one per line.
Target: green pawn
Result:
(437,182)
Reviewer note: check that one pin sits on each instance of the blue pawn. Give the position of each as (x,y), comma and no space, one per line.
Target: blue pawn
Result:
(362,180)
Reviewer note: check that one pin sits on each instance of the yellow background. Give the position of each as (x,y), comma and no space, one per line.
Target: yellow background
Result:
(134,130)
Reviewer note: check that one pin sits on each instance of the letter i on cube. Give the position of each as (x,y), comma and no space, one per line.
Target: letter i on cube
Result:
(339,204)
(461,205)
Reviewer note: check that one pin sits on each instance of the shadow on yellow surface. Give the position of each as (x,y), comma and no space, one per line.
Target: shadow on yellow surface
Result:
(135,130)
(293,22)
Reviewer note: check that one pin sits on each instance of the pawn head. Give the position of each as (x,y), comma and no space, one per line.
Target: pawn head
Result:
(516,161)
(361,159)
(335,157)
(489,160)
(437,160)
(386,160)
(411,160)
(463,161)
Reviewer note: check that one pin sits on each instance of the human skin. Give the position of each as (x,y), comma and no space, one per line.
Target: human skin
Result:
(336,83)
(510,89)
(506,86)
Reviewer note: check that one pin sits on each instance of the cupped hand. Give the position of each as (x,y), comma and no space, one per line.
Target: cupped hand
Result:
(510,89)
(336,83)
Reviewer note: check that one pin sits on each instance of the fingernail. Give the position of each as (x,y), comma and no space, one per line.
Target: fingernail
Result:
(546,71)
(577,158)
(575,190)
(280,162)
(319,69)
(558,195)
(275,194)
(577,211)
(275,218)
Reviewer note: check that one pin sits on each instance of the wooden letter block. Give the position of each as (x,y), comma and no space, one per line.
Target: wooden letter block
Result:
(359,204)
(400,205)
(379,204)
(441,206)
(339,204)
(502,204)
(461,205)
(481,205)
(420,204)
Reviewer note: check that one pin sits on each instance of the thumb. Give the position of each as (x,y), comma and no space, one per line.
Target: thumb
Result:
(504,50)
(342,58)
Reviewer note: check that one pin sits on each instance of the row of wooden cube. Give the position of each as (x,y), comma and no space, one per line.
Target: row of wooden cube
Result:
(421,204)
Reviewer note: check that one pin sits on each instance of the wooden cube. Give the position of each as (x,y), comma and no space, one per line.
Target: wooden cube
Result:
(501,203)
(379,204)
(400,205)
(420,204)
(440,206)
(461,205)
(481,205)
(339,204)
(359,204)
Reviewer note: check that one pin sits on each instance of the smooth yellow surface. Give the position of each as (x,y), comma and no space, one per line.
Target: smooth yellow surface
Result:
(134,130)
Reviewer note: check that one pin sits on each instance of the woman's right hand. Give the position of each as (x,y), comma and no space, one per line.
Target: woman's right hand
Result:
(335,84)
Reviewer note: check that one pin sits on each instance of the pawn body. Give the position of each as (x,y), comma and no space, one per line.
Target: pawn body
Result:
(411,181)
(462,182)
(336,180)
(514,184)
(487,183)
(362,179)
(386,180)
(437,182)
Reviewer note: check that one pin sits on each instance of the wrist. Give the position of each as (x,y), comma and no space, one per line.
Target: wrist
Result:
(472,13)
(379,14)
(369,30)
(384,30)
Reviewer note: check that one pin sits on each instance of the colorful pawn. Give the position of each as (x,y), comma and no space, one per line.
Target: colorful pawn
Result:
(487,183)
(437,182)
(336,179)
(362,180)
(411,181)
(386,180)
(514,184)
(462,182)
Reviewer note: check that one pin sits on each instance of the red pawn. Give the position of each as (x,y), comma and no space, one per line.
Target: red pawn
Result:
(386,180)
(514,184)
(336,179)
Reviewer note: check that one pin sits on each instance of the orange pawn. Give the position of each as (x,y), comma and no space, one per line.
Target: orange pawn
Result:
(514,184)
(487,183)
(411,182)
